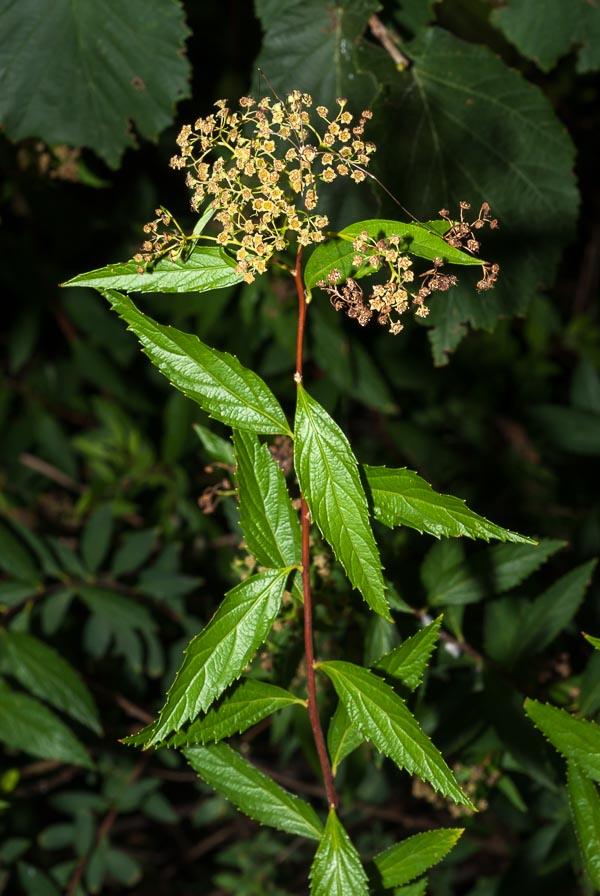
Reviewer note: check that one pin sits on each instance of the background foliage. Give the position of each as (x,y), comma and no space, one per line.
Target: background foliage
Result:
(110,564)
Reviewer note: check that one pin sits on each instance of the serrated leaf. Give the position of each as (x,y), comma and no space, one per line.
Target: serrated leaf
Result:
(205,268)
(402,498)
(403,862)
(576,739)
(328,475)
(409,660)
(28,725)
(419,888)
(249,703)
(336,869)
(15,559)
(82,73)
(46,674)
(383,718)
(269,522)
(449,580)
(543,33)
(343,737)
(252,792)
(584,802)
(218,655)
(96,537)
(485,133)
(422,240)
(217,381)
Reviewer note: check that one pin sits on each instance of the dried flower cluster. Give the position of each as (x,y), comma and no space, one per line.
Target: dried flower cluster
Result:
(461,236)
(390,300)
(260,169)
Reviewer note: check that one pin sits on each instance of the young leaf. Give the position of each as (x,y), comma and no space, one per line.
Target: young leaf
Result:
(383,718)
(407,860)
(409,660)
(402,498)
(43,671)
(252,792)
(336,868)
(584,802)
(595,642)
(268,520)
(249,703)
(417,239)
(205,268)
(576,739)
(217,381)
(219,654)
(28,725)
(343,737)
(328,476)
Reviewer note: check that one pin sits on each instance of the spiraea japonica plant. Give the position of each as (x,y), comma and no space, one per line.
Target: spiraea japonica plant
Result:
(256,176)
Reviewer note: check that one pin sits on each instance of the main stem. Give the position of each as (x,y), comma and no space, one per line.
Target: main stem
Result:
(311,685)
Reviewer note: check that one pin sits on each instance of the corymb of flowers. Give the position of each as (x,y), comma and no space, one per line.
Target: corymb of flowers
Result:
(260,170)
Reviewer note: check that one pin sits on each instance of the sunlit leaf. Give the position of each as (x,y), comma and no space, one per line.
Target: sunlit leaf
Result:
(576,739)
(584,802)
(403,862)
(409,660)
(336,868)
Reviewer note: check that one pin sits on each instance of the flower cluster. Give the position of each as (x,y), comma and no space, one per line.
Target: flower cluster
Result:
(389,300)
(260,169)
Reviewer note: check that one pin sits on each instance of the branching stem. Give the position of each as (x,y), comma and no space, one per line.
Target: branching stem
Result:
(311,686)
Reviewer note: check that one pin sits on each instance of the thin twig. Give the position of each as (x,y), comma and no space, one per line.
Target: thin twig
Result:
(389,41)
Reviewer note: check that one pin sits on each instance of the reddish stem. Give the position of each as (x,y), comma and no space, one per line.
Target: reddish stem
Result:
(311,685)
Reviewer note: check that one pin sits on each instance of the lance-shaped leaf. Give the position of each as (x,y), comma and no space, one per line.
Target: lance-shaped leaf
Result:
(407,860)
(46,674)
(576,739)
(252,792)
(383,718)
(28,725)
(336,868)
(409,660)
(343,737)
(402,498)
(217,381)
(595,642)
(424,240)
(205,268)
(269,522)
(219,654)
(249,703)
(584,802)
(328,475)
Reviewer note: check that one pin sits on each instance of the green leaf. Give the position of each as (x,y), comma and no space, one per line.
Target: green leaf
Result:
(576,739)
(219,654)
(571,429)
(484,133)
(249,703)
(449,580)
(409,660)
(217,381)
(205,268)
(133,552)
(28,725)
(252,792)
(543,33)
(584,802)
(35,882)
(83,73)
(43,671)
(403,498)
(423,240)
(328,475)
(96,537)
(419,888)
(384,719)
(321,59)
(15,559)
(336,868)
(595,642)
(217,449)
(269,522)
(407,860)
(343,737)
